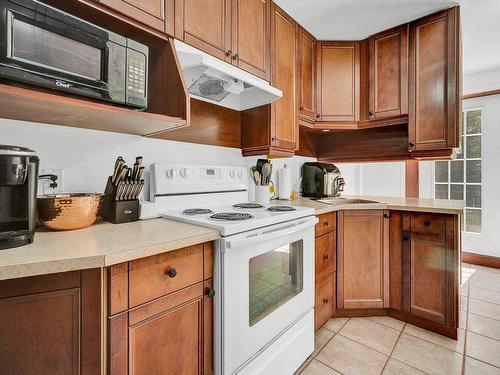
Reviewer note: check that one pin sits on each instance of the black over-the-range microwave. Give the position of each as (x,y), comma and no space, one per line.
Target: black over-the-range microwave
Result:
(43,46)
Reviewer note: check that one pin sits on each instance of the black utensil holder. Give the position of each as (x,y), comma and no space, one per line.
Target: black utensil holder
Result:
(118,212)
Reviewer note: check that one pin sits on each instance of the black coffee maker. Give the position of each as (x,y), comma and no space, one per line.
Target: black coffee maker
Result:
(18,185)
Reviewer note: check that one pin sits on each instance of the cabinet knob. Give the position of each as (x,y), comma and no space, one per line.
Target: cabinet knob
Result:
(172,272)
(370,113)
(301,108)
(406,237)
(209,292)
(325,300)
(387,216)
(411,145)
(236,57)
(325,257)
(229,53)
(318,115)
(427,222)
(326,223)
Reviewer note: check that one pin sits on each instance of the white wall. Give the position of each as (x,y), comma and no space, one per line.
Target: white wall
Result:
(87,156)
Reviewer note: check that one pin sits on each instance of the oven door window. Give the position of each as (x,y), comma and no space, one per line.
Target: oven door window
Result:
(34,45)
(275,277)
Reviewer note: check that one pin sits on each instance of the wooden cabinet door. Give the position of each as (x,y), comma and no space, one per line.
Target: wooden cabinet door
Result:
(435,82)
(307,76)
(166,336)
(205,24)
(338,81)
(284,129)
(425,276)
(148,12)
(324,305)
(250,35)
(363,259)
(388,73)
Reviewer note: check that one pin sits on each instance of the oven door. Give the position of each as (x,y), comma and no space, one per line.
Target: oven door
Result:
(267,285)
(42,46)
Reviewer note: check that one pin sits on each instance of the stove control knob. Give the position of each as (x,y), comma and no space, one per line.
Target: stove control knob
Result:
(184,172)
(171,173)
(232,173)
(240,174)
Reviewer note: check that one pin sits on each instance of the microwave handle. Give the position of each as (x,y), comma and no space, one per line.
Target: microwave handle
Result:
(251,239)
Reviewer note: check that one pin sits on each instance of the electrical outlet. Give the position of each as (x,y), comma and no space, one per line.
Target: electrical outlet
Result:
(44,185)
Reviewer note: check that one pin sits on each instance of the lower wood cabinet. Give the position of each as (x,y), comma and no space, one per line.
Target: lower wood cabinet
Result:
(51,324)
(325,267)
(169,329)
(363,259)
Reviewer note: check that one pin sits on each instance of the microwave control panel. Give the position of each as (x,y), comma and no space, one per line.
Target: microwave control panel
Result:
(136,77)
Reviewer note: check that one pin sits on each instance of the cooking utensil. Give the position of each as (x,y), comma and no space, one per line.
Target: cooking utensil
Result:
(257,178)
(266,173)
(69,211)
(260,164)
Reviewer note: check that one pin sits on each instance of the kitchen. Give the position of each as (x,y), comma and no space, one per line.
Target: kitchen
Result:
(216,90)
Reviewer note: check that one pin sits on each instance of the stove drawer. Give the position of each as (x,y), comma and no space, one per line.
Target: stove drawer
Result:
(158,275)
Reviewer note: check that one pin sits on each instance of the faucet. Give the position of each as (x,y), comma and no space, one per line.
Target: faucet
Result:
(50,177)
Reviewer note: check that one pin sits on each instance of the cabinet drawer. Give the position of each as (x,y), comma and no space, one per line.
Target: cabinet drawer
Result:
(428,223)
(327,223)
(324,305)
(325,255)
(158,275)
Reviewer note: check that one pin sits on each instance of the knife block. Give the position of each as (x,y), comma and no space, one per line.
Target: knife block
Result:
(118,212)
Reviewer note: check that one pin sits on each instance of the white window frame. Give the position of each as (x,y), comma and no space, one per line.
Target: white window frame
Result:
(464,159)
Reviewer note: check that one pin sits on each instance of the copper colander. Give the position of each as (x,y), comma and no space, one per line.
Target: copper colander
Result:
(69,211)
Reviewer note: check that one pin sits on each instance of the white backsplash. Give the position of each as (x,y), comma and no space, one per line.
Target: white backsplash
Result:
(87,156)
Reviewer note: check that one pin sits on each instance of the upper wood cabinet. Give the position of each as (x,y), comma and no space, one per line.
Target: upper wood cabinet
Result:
(338,81)
(273,129)
(236,31)
(250,36)
(435,82)
(149,12)
(388,73)
(205,24)
(307,77)
(362,259)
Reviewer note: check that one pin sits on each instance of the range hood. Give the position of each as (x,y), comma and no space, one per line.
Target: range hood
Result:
(215,81)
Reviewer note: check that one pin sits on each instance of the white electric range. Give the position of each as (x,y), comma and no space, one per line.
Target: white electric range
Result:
(264,266)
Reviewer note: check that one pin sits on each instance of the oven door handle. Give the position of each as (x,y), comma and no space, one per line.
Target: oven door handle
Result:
(264,235)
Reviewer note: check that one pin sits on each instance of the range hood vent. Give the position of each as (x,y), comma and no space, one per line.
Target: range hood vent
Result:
(215,81)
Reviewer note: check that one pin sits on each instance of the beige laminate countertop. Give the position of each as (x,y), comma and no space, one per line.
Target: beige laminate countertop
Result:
(100,245)
(386,203)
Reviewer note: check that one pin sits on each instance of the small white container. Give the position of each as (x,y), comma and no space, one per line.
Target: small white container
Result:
(262,194)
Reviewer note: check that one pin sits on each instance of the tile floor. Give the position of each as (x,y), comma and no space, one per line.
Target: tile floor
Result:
(382,345)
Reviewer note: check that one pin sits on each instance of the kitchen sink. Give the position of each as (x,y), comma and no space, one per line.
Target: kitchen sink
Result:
(342,201)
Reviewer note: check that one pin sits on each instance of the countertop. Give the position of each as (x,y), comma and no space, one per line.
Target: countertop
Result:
(100,245)
(105,244)
(443,206)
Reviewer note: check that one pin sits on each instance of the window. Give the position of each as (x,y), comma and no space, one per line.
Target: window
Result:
(461,178)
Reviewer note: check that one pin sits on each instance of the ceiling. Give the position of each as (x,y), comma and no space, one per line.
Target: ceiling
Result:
(358,19)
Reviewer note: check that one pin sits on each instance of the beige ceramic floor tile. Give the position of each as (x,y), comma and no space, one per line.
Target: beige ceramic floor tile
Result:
(485,295)
(303,366)
(483,348)
(464,289)
(462,322)
(335,324)
(426,356)
(371,334)
(455,345)
(474,367)
(318,368)
(321,337)
(388,322)
(349,357)
(394,367)
(484,326)
(490,310)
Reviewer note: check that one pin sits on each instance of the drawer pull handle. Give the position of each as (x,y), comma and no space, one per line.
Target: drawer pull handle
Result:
(325,300)
(325,257)
(325,224)
(427,222)
(209,292)
(406,237)
(172,272)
